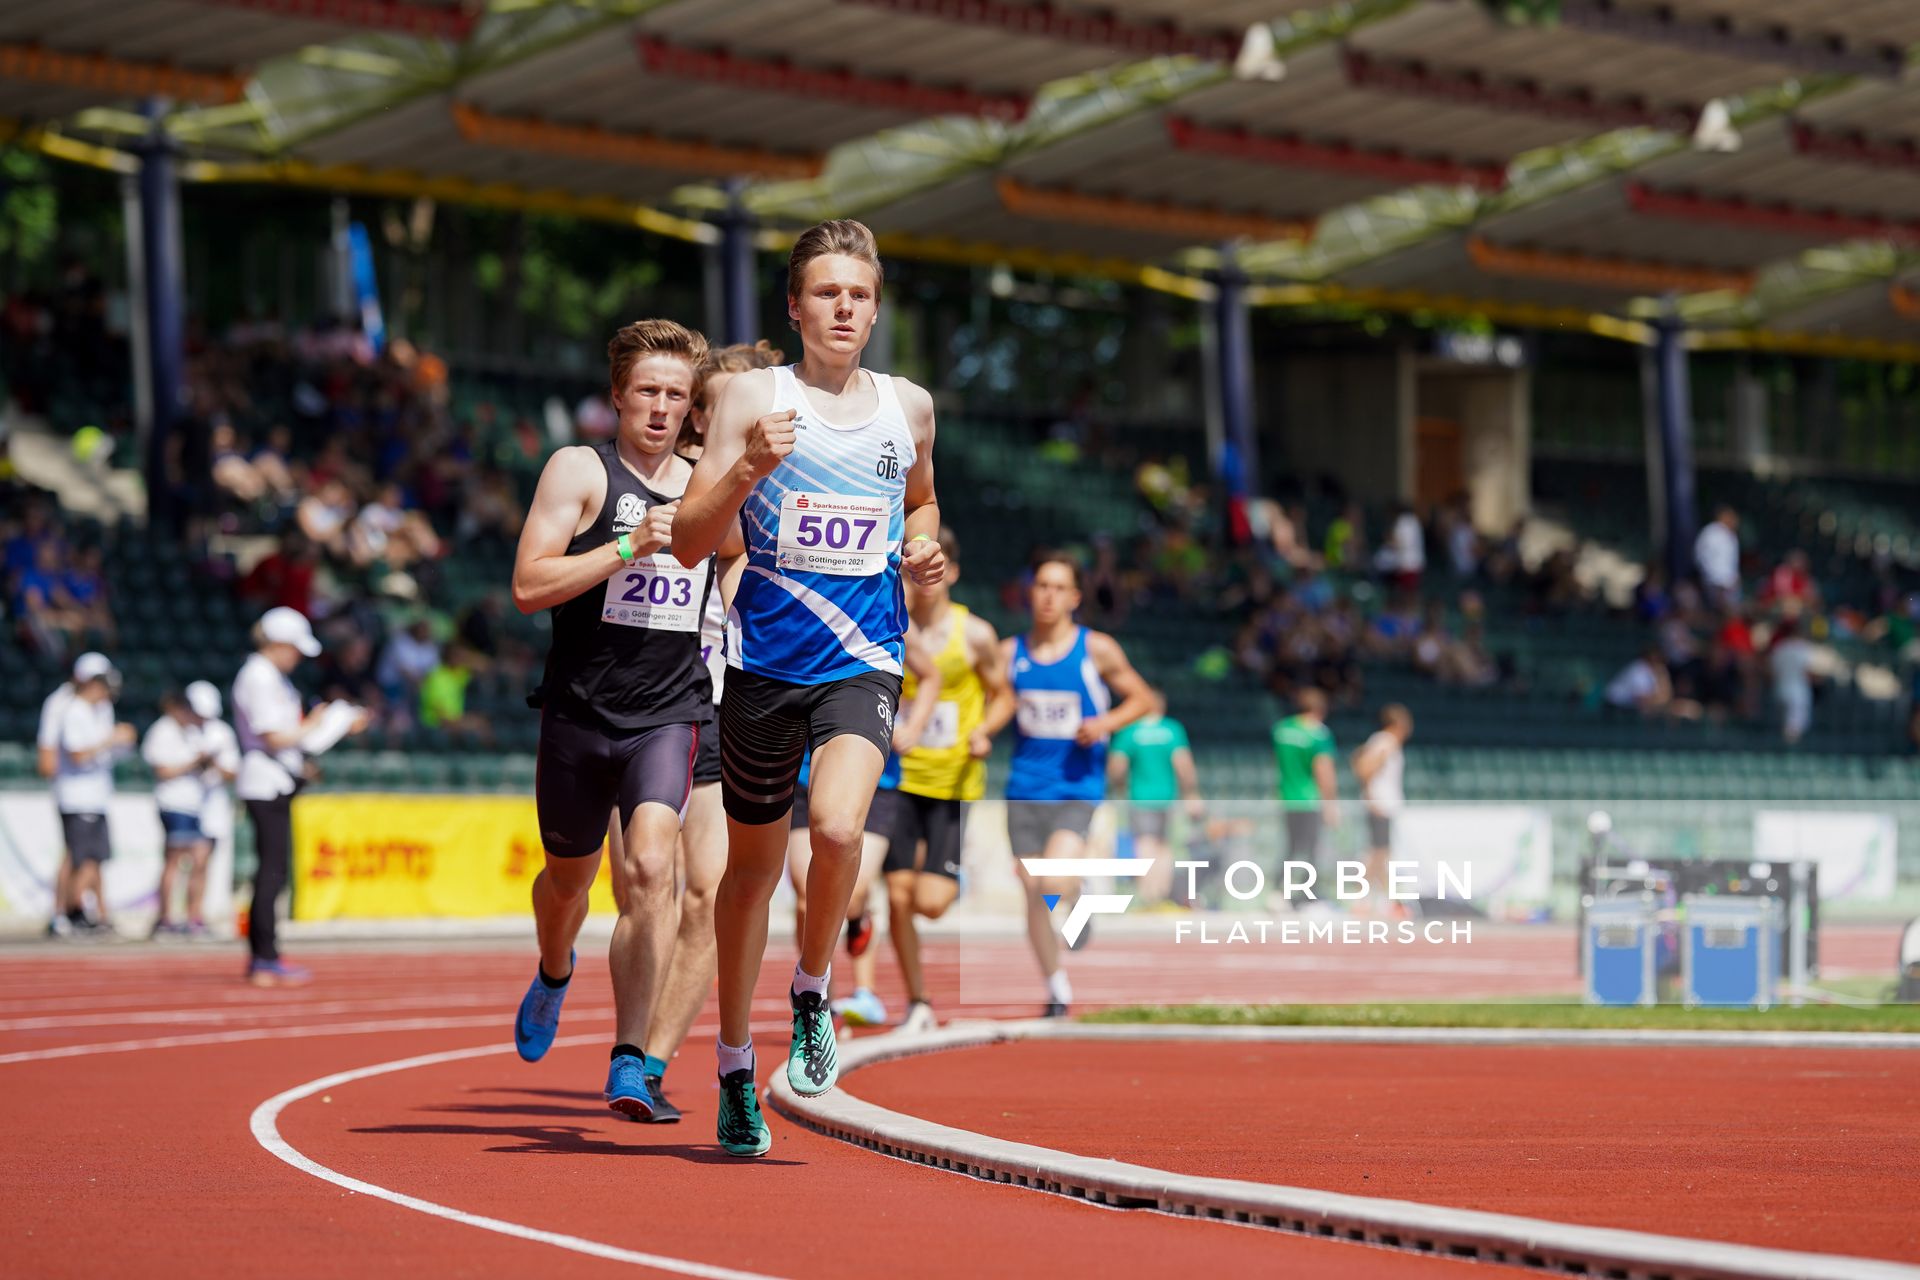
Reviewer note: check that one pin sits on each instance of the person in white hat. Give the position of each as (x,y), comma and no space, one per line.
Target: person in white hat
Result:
(90,741)
(223,766)
(176,751)
(47,744)
(276,739)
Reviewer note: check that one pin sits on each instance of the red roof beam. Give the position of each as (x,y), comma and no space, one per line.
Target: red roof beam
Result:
(778,76)
(1476,89)
(1809,51)
(1780,217)
(1287,151)
(1105,30)
(1854,147)
(373,15)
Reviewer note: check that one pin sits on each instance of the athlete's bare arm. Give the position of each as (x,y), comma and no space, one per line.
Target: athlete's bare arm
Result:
(1000,710)
(983,646)
(926,694)
(1136,698)
(1189,778)
(544,574)
(745,443)
(1368,759)
(921,559)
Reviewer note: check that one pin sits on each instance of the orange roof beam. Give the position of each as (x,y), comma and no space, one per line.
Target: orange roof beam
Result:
(116,77)
(1179,222)
(1625,274)
(641,150)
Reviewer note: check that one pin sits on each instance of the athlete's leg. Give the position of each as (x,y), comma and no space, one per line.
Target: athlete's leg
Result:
(201,855)
(846,772)
(756,859)
(799,858)
(1158,881)
(703,860)
(173,857)
(560,908)
(643,935)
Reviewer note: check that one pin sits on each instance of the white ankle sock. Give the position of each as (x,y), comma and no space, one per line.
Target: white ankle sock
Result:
(732,1059)
(804,981)
(1059,988)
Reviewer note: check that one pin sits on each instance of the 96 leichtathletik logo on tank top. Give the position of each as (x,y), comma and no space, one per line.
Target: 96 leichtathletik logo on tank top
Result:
(820,599)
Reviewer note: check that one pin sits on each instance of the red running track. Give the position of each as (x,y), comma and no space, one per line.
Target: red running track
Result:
(1792,1149)
(128,1078)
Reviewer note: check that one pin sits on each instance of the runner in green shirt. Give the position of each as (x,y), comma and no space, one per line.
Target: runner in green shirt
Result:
(1303,750)
(1153,758)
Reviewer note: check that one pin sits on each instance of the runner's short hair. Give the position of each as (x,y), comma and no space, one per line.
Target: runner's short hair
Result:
(635,342)
(738,358)
(836,235)
(1060,558)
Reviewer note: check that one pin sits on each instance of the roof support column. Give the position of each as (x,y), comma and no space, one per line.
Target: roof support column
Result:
(1238,462)
(158,320)
(1671,446)
(739,307)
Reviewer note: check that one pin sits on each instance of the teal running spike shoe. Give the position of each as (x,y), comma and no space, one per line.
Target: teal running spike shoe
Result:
(740,1128)
(813,1061)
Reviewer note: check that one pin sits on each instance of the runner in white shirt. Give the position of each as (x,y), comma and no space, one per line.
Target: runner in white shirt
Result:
(90,742)
(175,748)
(275,741)
(1380,764)
(216,810)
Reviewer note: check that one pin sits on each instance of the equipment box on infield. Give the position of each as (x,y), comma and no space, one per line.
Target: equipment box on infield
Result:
(1617,945)
(1727,950)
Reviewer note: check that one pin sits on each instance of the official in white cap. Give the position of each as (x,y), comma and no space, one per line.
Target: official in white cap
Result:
(47,744)
(88,743)
(276,738)
(223,766)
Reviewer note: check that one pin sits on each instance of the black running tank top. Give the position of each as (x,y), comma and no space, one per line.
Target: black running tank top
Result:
(626,652)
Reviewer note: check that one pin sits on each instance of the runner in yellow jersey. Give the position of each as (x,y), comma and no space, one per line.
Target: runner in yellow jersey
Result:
(940,776)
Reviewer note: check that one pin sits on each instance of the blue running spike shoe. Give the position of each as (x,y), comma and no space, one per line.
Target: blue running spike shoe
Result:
(862,1009)
(539,1017)
(740,1128)
(627,1088)
(813,1063)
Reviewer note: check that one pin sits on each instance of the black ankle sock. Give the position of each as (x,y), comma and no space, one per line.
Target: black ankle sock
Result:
(552,984)
(629,1051)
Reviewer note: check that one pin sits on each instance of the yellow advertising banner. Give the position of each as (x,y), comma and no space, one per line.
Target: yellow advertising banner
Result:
(383,857)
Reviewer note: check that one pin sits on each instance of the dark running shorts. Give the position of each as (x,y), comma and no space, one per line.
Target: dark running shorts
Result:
(940,823)
(182,829)
(880,814)
(765,725)
(1303,835)
(1379,831)
(581,773)
(86,835)
(706,763)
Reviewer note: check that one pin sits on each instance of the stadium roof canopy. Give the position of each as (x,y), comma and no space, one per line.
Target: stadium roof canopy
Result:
(1754,163)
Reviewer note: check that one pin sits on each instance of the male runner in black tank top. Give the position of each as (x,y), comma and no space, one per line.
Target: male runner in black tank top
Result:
(625,697)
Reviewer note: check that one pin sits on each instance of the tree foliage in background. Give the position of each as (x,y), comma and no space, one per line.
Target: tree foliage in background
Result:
(29,210)
(576,278)
(1523,12)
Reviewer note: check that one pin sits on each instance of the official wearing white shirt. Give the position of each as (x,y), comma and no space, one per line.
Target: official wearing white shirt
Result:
(90,741)
(47,747)
(175,748)
(275,741)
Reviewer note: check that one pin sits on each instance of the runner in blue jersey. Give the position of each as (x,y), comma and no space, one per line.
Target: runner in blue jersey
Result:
(827,471)
(1062,679)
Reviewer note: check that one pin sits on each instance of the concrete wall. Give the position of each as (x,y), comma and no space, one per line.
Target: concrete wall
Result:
(1493,409)
(1348,414)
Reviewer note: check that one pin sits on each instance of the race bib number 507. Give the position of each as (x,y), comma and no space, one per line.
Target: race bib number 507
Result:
(833,533)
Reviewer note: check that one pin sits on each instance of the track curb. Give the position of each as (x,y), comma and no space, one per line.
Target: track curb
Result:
(1429,1230)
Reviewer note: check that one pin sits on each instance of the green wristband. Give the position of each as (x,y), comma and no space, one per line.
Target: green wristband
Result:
(624,545)
(918,537)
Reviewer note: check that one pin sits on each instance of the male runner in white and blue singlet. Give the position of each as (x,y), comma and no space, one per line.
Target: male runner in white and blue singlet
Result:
(1064,679)
(827,470)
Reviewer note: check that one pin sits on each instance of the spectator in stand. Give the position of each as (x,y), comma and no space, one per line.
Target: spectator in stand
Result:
(1468,662)
(271,462)
(90,742)
(443,698)
(1790,588)
(46,612)
(325,516)
(1722,683)
(1716,558)
(1394,628)
(1461,538)
(1346,542)
(489,507)
(1651,600)
(1433,640)
(1152,759)
(1736,634)
(1790,663)
(284,578)
(1643,687)
(1403,559)
(1106,593)
(233,474)
(86,586)
(410,655)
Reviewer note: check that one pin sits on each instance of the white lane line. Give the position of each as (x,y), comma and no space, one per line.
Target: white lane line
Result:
(499,1020)
(266,1131)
